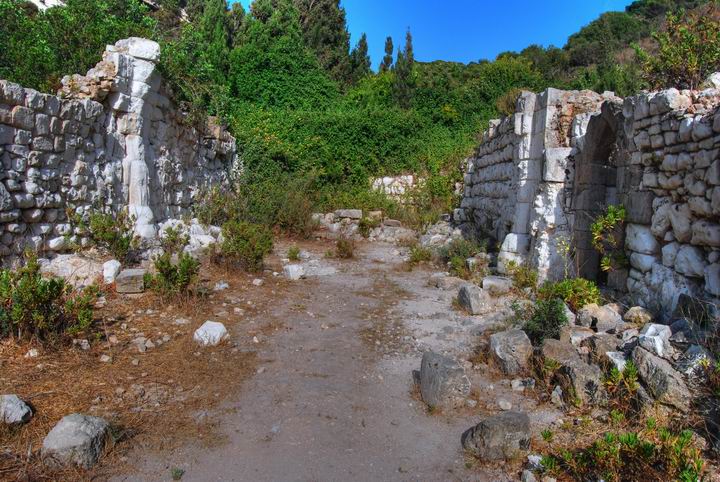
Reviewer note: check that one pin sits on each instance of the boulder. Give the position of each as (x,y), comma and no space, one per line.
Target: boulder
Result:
(575,334)
(13,411)
(77,270)
(76,439)
(443,382)
(511,350)
(664,383)
(211,333)
(500,437)
(618,359)
(130,281)
(656,339)
(638,315)
(599,344)
(294,272)
(601,318)
(497,285)
(579,380)
(473,299)
(110,271)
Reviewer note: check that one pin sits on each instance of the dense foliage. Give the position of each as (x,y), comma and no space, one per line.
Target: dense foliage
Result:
(43,309)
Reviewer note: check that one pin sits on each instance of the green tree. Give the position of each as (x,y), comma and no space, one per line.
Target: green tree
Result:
(236,23)
(387,61)
(360,60)
(688,52)
(324,30)
(404,75)
(215,37)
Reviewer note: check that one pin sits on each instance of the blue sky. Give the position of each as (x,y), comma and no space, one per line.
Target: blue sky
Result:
(469,30)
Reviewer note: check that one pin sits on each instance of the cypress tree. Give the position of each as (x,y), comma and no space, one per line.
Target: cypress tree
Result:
(387,61)
(236,23)
(360,60)
(404,82)
(324,28)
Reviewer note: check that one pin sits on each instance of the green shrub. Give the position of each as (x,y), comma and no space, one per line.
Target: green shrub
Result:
(111,232)
(419,254)
(173,240)
(345,248)
(689,51)
(293,253)
(245,244)
(506,104)
(460,248)
(622,387)
(366,225)
(547,319)
(522,276)
(576,292)
(33,307)
(173,280)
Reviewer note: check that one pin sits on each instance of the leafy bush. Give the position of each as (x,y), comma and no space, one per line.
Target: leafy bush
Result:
(293,253)
(460,248)
(33,307)
(607,234)
(173,280)
(547,319)
(112,232)
(366,225)
(522,276)
(419,254)
(576,292)
(345,248)
(245,244)
(689,51)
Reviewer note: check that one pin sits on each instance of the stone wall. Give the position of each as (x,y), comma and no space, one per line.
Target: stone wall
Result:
(110,140)
(541,177)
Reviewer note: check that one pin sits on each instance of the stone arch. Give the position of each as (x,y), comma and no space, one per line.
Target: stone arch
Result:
(594,186)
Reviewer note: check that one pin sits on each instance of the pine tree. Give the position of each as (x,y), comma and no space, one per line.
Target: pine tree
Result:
(325,31)
(404,82)
(213,27)
(360,60)
(387,61)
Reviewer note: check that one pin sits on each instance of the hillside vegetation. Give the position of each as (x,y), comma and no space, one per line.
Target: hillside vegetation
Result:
(305,104)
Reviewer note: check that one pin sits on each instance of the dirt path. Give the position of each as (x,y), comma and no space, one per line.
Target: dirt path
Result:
(333,397)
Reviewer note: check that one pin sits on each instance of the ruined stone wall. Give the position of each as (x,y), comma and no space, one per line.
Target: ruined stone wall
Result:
(111,139)
(515,187)
(542,176)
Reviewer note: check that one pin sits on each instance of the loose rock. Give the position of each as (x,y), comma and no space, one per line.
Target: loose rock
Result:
(501,437)
(511,350)
(211,333)
(443,382)
(76,439)
(473,299)
(13,411)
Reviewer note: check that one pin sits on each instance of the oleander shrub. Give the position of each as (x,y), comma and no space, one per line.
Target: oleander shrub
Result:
(245,244)
(36,308)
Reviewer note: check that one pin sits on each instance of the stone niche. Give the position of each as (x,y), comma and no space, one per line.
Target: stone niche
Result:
(111,139)
(541,176)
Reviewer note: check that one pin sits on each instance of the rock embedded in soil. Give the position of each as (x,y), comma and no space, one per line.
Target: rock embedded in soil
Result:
(473,299)
(578,379)
(444,282)
(130,281)
(13,411)
(511,350)
(443,382)
(663,382)
(355,214)
(211,333)
(497,285)
(294,272)
(504,436)
(76,439)
(601,318)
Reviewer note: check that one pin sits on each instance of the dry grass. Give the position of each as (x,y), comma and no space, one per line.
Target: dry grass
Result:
(181,383)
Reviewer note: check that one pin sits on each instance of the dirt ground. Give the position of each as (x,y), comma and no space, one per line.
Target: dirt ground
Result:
(315,383)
